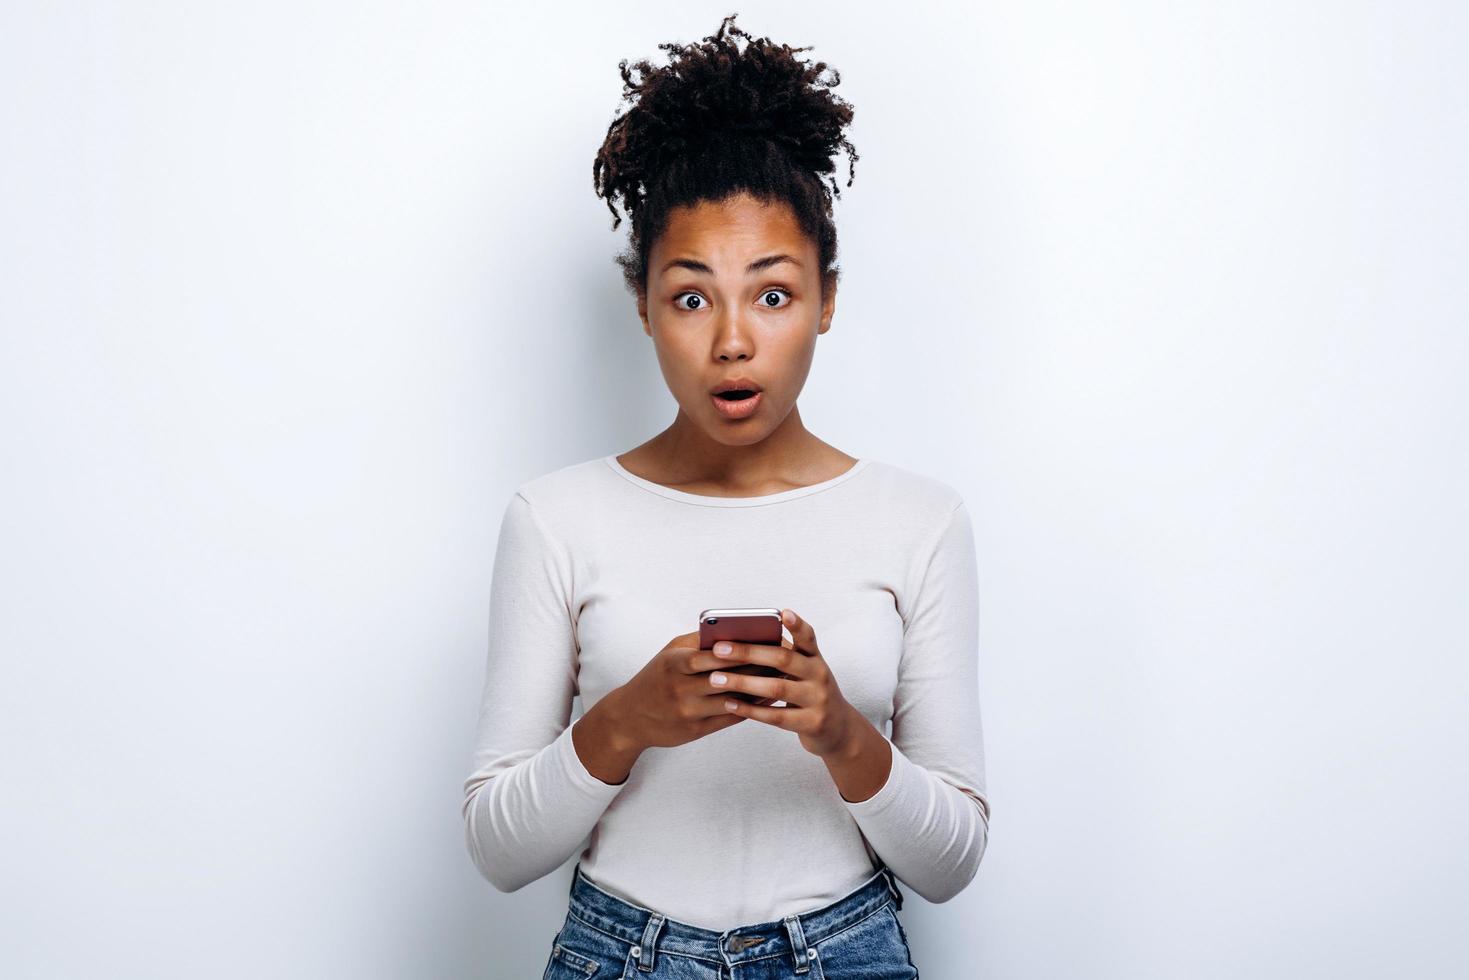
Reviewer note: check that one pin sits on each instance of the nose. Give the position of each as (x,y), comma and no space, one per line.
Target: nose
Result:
(734,340)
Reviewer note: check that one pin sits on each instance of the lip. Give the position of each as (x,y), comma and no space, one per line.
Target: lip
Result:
(737,410)
(735,384)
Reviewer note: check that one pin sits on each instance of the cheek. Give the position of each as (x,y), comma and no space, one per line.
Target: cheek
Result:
(671,353)
(794,353)
(682,368)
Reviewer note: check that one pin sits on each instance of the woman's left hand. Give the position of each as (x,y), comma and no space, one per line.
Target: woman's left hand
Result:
(815,708)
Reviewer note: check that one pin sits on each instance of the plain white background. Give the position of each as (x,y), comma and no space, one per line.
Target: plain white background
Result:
(294,295)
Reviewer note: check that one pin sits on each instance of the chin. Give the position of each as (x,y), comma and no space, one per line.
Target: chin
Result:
(746,437)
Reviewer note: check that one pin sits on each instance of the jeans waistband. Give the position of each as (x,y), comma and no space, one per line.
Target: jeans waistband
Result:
(650,931)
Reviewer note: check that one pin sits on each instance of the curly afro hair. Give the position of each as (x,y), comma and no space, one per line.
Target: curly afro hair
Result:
(718,120)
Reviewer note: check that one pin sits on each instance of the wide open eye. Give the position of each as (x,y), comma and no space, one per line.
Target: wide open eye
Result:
(690,301)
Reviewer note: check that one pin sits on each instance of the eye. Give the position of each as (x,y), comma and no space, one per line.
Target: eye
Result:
(690,300)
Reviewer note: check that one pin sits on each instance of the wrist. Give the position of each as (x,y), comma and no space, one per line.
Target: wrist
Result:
(860,760)
(853,740)
(598,748)
(611,729)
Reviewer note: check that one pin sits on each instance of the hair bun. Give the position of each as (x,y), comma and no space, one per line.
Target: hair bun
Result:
(715,98)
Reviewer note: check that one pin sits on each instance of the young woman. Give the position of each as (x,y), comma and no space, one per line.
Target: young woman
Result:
(740,826)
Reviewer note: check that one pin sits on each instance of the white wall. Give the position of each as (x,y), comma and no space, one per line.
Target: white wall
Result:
(294,295)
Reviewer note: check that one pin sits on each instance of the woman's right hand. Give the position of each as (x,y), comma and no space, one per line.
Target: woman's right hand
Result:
(670,701)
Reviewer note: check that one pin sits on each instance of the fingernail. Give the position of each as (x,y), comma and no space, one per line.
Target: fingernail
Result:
(718,679)
(789,617)
(722,648)
(730,704)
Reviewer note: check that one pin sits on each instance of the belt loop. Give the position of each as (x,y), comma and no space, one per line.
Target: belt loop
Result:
(798,944)
(644,951)
(892,882)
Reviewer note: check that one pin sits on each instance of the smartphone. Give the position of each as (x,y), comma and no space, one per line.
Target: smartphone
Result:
(760,625)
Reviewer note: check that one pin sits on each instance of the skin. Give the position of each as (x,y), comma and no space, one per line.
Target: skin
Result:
(735,332)
(735,327)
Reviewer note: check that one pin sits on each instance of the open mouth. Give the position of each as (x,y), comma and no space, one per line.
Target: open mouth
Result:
(737,403)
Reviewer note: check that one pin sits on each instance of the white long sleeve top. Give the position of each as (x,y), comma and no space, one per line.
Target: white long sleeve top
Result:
(596,569)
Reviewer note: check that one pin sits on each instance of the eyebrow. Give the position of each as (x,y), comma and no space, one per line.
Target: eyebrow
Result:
(696,266)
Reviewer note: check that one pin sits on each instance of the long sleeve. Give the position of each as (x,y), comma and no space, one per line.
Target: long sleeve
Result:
(930,820)
(529,800)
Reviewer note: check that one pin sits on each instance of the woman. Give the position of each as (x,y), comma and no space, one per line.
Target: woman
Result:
(740,826)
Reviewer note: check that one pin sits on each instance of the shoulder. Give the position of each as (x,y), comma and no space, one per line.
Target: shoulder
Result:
(562,490)
(545,507)
(928,500)
(922,517)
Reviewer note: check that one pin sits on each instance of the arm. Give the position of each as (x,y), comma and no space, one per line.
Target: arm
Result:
(530,799)
(930,820)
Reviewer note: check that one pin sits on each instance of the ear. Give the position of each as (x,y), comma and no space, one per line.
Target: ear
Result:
(643,311)
(828,304)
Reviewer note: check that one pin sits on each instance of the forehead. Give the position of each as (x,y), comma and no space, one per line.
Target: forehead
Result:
(732,230)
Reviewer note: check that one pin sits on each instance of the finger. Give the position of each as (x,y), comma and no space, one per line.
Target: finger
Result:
(714,696)
(802,635)
(693,660)
(721,718)
(780,688)
(709,702)
(683,643)
(779,717)
(783,658)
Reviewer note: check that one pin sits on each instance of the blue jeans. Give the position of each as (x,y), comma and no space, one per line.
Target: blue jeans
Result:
(857,937)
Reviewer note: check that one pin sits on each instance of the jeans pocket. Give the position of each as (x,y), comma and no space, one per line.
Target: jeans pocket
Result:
(903,935)
(572,960)
(872,948)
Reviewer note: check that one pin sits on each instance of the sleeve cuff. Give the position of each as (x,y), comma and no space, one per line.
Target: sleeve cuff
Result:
(577,772)
(901,771)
